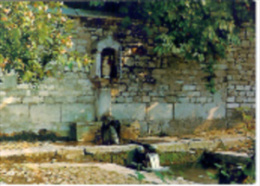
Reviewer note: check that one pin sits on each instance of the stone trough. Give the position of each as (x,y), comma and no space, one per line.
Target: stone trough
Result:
(169,152)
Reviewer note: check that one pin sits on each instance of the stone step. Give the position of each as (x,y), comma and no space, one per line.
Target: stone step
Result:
(230,157)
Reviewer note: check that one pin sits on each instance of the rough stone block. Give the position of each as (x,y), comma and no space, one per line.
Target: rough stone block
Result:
(232,105)
(9,81)
(65,99)
(240,87)
(189,87)
(129,99)
(15,114)
(43,93)
(171,99)
(183,99)
(242,93)
(2,93)
(172,147)
(23,86)
(231,87)
(247,87)
(249,105)
(11,100)
(146,99)
(45,113)
(231,99)
(129,111)
(221,66)
(193,94)
(131,131)
(204,111)
(103,103)
(160,111)
(201,100)
(251,93)
(250,100)
(133,88)
(77,112)
(85,99)
(158,99)
(240,99)
(34,99)
(15,92)
(87,132)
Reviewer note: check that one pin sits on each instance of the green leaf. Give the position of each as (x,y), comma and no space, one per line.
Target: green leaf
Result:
(211,175)
(96,3)
(218,165)
(160,176)
(140,176)
(126,22)
(225,173)
(201,57)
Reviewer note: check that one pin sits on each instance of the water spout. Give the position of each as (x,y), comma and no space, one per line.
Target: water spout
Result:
(154,160)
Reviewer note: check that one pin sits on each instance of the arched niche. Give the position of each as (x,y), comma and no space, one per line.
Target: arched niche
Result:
(108,55)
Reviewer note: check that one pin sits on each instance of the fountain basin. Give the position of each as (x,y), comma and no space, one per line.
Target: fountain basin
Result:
(159,169)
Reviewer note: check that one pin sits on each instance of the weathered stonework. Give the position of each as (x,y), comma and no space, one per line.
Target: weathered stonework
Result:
(165,94)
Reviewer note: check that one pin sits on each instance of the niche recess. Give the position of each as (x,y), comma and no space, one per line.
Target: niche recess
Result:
(108,59)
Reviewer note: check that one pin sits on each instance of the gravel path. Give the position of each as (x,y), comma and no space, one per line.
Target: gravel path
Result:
(75,173)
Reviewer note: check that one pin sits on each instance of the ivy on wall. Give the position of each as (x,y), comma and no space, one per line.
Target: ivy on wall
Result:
(198,30)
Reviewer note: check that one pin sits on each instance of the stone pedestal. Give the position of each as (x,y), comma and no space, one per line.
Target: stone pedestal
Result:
(103,103)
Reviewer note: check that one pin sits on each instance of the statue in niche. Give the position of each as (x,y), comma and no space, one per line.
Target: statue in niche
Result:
(106,67)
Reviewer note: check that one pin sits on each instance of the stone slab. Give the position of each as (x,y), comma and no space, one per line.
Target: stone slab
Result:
(14,113)
(103,103)
(204,111)
(88,132)
(9,81)
(129,111)
(230,157)
(44,113)
(160,111)
(77,112)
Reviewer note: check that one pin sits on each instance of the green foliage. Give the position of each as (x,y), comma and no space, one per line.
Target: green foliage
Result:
(228,173)
(139,176)
(160,176)
(126,22)
(167,158)
(30,136)
(247,118)
(244,111)
(36,39)
(96,3)
(199,30)
(211,175)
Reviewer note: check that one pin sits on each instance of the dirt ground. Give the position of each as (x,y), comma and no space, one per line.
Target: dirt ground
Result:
(100,173)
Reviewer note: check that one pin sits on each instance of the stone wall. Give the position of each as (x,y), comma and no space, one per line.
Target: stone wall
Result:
(52,105)
(179,95)
(165,94)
